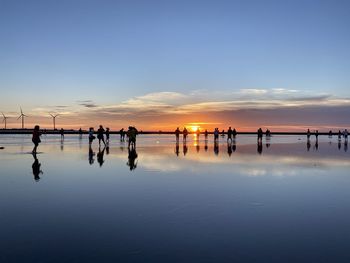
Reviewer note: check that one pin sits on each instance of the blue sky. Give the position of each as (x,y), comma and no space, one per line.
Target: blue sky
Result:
(56,53)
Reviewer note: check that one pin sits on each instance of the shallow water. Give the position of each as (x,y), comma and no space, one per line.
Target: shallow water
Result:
(281,201)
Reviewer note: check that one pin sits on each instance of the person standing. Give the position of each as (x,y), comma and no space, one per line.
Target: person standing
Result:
(107,135)
(177,134)
(91,135)
(100,135)
(36,138)
(185,133)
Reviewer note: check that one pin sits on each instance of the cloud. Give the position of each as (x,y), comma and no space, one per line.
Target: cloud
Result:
(87,103)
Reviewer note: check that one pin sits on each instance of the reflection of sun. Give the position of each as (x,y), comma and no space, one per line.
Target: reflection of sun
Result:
(194,128)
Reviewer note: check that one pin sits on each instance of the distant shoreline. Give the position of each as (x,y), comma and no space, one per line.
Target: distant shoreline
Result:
(30,131)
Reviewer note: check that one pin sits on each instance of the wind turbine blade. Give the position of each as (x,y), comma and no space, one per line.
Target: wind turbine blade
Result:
(51,115)
(3,114)
(19,117)
(21,110)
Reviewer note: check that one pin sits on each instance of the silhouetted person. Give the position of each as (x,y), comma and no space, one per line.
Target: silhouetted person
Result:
(216,147)
(229,134)
(330,134)
(308,134)
(234,133)
(36,168)
(122,135)
(107,135)
(198,132)
(91,135)
(36,138)
(260,147)
(223,133)
(206,134)
(132,133)
(62,133)
(100,156)
(308,145)
(91,155)
(339,135)
(260,134)
(80,133)
(316,134)
(177,134)
(184,134)
(100,135)
(268,133)
(177,148)
(107,149)
(216,134)
(132,155)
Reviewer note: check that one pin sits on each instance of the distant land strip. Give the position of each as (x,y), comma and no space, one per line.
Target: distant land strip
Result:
(47,131)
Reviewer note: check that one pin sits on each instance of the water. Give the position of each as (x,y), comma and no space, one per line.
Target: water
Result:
(282,203)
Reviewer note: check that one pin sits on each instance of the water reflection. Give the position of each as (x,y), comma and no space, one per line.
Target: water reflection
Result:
(132,156)
(100,155)
(36,167)
(91,155)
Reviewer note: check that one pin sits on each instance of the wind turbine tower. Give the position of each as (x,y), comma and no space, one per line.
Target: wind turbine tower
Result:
(5,119)
(54,120)
(22,116)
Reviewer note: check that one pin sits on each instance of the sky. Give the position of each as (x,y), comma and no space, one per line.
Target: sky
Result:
(161,64)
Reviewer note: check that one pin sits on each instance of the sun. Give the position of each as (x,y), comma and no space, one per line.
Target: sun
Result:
(194,128)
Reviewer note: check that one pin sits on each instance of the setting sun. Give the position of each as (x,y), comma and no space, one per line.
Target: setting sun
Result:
(194,128)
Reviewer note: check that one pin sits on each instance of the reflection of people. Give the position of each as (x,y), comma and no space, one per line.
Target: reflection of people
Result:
(308,145)
(185,149)
(91,155)
(36,138)
(216,147)
(206,145)
(316,145)
(197,147)
(177,148)
(132,155)
(229,148)
(100,156)
(234,147)
(346,146)
(260,146)
(268,140)
(91,135)
(36,168)
(107,135)
(62,133)
(339,144)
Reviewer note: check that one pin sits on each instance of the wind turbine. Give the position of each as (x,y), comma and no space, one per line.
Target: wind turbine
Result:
(22,116)
(54,120)
(5,120)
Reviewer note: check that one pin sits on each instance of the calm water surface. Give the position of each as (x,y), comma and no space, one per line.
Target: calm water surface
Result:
(282,201)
